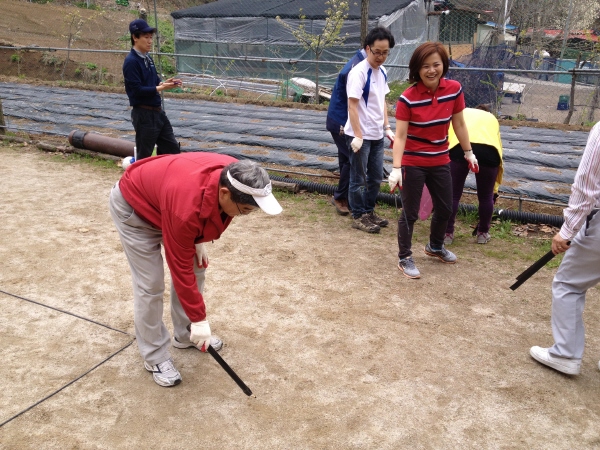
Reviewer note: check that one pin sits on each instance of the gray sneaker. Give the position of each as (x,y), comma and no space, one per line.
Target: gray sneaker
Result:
(449,238)
(443,255)
(379,221)
(364,223)
(483,238)
(409,268)
(215,343)
(164,373)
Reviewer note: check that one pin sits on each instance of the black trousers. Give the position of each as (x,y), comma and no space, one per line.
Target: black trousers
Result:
(439,184)
(153,128)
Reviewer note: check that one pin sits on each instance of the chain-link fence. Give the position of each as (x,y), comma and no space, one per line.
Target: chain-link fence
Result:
(510,90)
(526,61)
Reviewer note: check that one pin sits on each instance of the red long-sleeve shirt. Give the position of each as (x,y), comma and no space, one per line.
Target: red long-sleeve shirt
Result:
(179,194)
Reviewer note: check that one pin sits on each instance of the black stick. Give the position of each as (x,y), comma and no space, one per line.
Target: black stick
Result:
(229,370)
(527,273)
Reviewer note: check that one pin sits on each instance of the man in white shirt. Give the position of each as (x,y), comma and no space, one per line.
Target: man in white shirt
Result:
(579,270)
(364,130)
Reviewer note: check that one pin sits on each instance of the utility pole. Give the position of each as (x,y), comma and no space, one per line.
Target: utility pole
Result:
(364,21)
(2,124)
(162,99)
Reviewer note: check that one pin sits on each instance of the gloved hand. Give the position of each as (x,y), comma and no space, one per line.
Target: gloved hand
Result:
(356,144)
(395,179)
(201,255)
(390,135)
(200,334)
(473,165)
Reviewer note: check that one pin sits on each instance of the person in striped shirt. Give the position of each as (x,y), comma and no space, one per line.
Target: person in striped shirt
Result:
(423,115)
(579,270)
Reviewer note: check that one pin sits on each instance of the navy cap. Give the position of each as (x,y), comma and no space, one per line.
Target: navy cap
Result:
(140,26)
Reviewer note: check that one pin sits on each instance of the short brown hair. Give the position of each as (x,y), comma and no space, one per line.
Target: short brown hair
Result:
(423,52)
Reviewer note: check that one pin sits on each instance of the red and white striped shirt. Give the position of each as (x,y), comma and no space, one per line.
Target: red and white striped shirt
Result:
(585,191)
(429,115)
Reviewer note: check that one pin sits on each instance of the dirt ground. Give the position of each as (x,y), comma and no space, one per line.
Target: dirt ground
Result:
(339,348)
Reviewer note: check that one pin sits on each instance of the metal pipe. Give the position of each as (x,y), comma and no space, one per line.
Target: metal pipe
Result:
(102,144)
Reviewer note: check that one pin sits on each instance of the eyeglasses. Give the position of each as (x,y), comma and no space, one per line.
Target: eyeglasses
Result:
(241,212)
(379,53)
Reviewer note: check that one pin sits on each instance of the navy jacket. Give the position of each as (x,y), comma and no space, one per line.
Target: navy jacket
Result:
(338,105)
(140,81)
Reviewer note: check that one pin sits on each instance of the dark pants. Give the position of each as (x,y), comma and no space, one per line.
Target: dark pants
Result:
(485,180)
(153,128)
(439,182)
(341,192)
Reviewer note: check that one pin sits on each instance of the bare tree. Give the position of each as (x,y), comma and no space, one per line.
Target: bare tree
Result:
(73,23)
(336,13)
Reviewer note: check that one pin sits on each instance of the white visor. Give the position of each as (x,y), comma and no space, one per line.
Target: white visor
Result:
(262,196)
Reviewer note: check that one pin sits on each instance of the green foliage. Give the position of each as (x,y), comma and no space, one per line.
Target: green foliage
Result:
(85,6)
(396,89)
(91,66)
(166,33)
(42,2)
(78,72)
(15,58)
(122,2)
(50,60)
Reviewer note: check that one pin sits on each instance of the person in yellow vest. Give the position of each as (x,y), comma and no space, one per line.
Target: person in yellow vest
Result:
(484,134)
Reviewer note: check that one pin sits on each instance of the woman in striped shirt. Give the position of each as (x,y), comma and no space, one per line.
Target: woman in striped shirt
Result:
(423,115)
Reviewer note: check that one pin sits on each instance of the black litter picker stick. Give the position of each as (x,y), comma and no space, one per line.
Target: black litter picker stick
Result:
(229,370)
(527,273)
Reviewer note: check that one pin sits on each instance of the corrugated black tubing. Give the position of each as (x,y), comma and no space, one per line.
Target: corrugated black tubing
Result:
(382,197)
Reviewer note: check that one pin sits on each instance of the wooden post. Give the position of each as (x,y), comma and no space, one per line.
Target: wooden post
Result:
(2,123)
(572,99)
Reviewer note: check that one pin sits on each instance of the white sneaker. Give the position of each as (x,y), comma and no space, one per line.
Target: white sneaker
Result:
(215,343)
(164,373)
(570,366)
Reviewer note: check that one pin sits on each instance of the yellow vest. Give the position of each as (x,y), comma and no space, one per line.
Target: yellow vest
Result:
(483,128)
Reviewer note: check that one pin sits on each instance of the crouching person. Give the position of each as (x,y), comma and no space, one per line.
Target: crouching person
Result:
(179,201)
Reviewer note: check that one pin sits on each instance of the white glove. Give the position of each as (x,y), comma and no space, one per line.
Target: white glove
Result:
(395,179)
(200,334)
(356,144)
(473,165)
(201,255)
(390,135)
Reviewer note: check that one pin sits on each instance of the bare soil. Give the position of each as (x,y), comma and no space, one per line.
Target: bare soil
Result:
(340,350)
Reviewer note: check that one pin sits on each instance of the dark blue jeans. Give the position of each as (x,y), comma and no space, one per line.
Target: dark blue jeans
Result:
(341,193)
(153,128)
(439,182)
(368,161)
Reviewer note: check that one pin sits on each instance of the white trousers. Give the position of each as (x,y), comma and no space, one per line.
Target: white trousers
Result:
(578,272)
(142,244)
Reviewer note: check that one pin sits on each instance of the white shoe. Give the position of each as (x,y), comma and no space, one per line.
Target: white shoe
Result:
(164,373)
(570,366)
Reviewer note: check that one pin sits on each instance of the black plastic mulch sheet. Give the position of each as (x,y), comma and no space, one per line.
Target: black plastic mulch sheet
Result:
(539,163)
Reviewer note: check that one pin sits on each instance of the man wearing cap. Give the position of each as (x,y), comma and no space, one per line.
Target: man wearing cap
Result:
(143,87)
(179,201)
